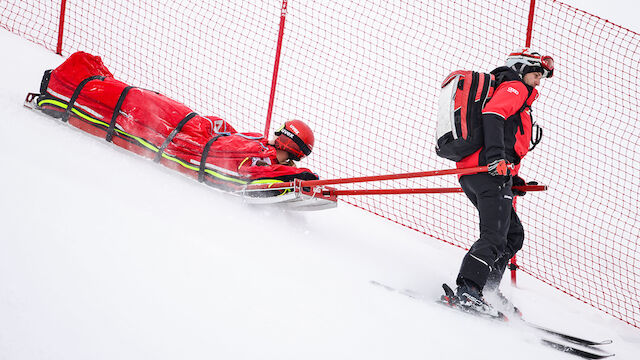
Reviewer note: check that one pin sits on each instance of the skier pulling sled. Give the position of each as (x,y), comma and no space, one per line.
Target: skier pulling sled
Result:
(84,93)
(485,120)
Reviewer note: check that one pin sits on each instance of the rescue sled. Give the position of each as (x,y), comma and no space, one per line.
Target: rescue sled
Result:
(288,195)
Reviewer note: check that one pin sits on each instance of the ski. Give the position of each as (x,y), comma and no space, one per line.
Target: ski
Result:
(409,293)
(586,352)
(557,340)
(446,300)
(567,337)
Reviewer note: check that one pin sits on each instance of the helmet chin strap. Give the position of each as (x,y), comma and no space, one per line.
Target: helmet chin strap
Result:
(283,156)
(517,69)
(520,70)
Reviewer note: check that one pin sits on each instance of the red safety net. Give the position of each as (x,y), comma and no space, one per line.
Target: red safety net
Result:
(365,75)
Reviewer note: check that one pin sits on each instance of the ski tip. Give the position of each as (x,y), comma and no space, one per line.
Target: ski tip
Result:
(586,352)
(567,337)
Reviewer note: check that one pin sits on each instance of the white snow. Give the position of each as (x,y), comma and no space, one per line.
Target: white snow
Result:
(106,255)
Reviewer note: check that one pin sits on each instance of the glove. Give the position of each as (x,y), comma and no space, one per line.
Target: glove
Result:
(518,181)
(499,167)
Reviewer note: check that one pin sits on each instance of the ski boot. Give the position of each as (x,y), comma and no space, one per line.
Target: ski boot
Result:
(469,299)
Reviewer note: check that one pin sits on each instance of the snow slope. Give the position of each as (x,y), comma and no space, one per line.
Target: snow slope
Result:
(106,255)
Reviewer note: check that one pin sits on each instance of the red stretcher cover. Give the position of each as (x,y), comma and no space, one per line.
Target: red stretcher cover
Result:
(153,125)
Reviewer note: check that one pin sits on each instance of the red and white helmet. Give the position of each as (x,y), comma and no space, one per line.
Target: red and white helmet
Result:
(296,138)
(526,61)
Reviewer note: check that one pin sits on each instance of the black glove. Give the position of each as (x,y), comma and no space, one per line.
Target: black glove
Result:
(499,167)
(518,181)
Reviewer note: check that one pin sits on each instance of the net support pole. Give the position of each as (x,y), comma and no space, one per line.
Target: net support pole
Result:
(276,65)
(63,7)
(532,7)
(513,265)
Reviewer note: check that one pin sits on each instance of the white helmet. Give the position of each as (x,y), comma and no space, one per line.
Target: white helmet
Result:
(526,61)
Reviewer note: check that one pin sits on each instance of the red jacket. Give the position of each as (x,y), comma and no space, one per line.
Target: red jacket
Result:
(146,119)
(506,122)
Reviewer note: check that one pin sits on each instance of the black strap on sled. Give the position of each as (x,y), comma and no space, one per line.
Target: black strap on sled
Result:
(173,134)
(112,125)
(44,84)
(205,154)
(76,93)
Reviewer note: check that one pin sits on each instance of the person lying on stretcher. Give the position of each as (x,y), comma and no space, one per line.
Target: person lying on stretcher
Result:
(83,92)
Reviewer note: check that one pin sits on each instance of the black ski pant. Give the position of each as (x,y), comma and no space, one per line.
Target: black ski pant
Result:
(501,232)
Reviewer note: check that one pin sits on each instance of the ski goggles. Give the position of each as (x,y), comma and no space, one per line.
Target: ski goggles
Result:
(303,148)
(535,59)
(547,66)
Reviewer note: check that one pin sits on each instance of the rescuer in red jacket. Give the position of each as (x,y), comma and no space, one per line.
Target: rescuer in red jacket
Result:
(508,129)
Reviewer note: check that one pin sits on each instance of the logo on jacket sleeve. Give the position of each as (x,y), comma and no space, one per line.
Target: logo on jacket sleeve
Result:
(513,90)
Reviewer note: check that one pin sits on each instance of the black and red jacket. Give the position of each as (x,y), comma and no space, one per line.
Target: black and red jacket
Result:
(506,122)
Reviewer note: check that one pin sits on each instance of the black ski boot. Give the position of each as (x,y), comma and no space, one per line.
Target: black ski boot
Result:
(470,300)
